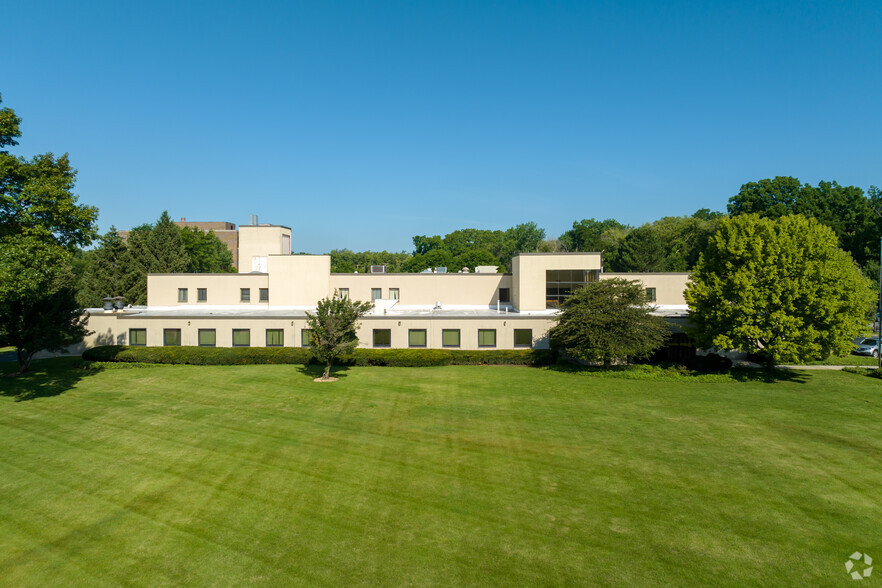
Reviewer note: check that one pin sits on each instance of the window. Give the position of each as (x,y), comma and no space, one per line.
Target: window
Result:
(201,294)
(559,284)
(393,293)
(344,293)
(241,337)
(264,294)
(450,337)
(650,294)
(523,337)
(382,337)
(138,337)
(275,337)
(486,337)
(504,295)
(207,338)
(416,338)
(244,294)
(376,293)
(182,294)
(171,337)
(306,337)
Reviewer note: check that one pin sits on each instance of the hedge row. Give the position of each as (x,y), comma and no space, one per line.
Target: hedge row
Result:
(299,355)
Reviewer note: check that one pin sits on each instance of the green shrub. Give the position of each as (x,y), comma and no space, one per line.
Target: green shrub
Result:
(300,355)
(871,372)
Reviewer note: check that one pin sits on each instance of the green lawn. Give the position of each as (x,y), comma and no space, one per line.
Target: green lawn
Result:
(445,476)
(847,360)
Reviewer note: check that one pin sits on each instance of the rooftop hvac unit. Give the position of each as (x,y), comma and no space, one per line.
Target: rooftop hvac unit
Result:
(252,219)
(440,270)
(378,269)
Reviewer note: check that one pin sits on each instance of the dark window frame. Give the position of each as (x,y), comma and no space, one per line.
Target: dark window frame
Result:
(425,338)
(305,333)
(480,331)
(241,331)
(458,338)
(199,337)
(507,298)
(201,294)
(166,333)
(515,338)
(282,337)
(244,294)
(183,295)
(131,343)
(263,294)
(381,345)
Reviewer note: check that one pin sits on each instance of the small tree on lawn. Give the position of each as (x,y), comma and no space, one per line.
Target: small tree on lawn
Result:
(608,320)
(333,329)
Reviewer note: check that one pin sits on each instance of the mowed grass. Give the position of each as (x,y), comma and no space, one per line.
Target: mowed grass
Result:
(469,475)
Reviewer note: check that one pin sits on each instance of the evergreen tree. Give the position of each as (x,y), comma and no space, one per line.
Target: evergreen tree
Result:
(107,272)
(159,250)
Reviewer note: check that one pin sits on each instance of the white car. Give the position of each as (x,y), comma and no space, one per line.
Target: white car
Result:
(868,346)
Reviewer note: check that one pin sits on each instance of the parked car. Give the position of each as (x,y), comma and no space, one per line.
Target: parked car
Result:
(868,346)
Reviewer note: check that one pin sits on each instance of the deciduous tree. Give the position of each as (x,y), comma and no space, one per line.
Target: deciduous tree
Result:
(608,320)
(779,287)
(334,325)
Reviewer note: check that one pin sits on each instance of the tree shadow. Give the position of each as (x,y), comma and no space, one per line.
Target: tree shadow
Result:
(739,374)
(44,379)
(768,376)
(314,371)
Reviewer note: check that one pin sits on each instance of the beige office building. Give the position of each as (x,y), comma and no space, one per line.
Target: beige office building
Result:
(265,304)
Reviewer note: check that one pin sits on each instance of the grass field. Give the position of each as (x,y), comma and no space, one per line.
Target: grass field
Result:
(847,360)
(434,476)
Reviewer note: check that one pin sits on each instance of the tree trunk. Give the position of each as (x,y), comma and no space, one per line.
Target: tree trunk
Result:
(24,359)
(327,371)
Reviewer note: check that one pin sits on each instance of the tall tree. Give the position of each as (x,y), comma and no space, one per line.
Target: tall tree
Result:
(108,271)
(608,320)
(588,234)
(159,250)
(779,287)
(642,250)
(41,224)
(207,253)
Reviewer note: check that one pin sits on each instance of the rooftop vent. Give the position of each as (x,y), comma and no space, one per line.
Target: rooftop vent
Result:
(378,269)
(252,219)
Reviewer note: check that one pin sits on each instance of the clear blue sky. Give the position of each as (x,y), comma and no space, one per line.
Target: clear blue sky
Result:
(360,124)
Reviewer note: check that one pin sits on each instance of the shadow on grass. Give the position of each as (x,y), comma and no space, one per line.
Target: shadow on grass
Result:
(666,372)
(46,378)
(315,371)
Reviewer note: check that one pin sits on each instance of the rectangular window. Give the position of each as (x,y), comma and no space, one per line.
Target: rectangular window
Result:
(171,337)
(523,337)
(486,337)
(344,293)
(650,294)
(201,294)
(416,338)
(450,337)
(376,293)
(244,294)
(306,337)
(138,337)
(264,294)
(393,293)
(382,337)
(504,295)
(559,284)
(275,338)
(182,294)
(241,337)
(207,338)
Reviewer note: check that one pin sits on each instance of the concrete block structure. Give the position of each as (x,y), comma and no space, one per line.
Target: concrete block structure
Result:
(265,304)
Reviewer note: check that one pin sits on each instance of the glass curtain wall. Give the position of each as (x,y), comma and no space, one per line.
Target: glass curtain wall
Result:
(559,284)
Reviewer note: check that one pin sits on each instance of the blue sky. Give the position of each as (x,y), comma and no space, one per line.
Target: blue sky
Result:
(361,124)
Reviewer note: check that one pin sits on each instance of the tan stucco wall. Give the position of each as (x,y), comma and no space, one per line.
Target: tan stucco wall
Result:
(112,329)
(426,289)
(299,280)
(162,289)
(529,271)
(261,241)
(669,287)
(504,327)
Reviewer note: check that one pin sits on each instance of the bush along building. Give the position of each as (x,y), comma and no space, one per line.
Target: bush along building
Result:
(265,304)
